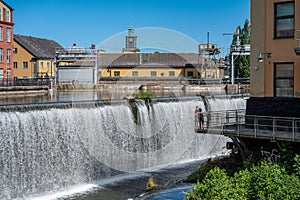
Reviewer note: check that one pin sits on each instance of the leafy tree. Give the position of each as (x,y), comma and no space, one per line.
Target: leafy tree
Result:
(242,62)
(286,157)
(296,165)
(216,185)
(265,181)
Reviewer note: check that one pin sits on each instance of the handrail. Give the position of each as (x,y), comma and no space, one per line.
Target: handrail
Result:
(238,123)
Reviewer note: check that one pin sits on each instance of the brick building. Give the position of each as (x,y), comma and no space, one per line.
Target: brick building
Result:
(6,43)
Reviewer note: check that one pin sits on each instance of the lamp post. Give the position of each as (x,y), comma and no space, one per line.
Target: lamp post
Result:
(95,54)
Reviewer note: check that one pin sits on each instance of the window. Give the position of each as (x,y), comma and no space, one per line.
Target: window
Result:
(284,20)
(1,75)
(1,33)
(8,55)
(284,80)
(42,65)
(15,65)
(153,73)
(135,73)
(116,73)
(48,66)
(8,38)
(15,50)
(1,16)
(9,75)
(25,65)
(171,73)
(1,55)
(190,74)
(7,15)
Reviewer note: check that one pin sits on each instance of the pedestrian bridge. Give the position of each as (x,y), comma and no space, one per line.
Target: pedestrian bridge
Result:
(235,123)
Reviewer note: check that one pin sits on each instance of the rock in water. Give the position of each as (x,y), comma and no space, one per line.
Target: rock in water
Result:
(151,185)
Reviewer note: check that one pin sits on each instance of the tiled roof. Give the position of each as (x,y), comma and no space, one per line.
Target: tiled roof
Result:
(38,47)
(170,59)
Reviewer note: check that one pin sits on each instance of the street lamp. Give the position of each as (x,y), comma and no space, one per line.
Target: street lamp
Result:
(261,55)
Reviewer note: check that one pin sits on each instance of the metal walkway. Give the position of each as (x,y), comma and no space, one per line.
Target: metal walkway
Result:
(237,123)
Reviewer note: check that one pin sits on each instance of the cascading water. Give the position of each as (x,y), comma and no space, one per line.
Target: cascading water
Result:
(44,150)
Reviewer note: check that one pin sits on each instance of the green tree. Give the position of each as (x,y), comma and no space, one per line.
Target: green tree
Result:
(242,62)
(266,181)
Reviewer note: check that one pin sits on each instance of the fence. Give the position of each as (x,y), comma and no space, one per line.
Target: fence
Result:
(26,82)
(237,123)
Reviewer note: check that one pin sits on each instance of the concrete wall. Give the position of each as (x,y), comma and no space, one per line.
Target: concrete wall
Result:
(257,38)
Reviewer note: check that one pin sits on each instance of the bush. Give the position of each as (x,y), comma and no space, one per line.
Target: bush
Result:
(296,165)
(199,174)
(216,185)
(144,95)
(265,181)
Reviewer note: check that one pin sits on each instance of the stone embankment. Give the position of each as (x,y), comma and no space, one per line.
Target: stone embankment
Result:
(23,90)
(203,89)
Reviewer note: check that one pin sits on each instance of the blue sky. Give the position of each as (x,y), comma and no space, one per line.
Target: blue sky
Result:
(94,21)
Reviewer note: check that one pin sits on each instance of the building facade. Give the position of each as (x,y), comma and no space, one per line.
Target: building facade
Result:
(159,66)
(34,57)
(85,66)
(6,44)
(275,66)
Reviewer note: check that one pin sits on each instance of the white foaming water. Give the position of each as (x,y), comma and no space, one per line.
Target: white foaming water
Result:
(48,150)
(68,192)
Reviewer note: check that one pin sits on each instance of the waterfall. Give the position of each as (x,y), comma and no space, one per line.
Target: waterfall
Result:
(47,149)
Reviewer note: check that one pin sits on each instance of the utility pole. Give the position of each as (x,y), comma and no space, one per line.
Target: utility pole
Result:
(237,50)
(96,68)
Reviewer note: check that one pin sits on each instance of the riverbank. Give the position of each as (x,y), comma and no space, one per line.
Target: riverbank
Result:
(23,90)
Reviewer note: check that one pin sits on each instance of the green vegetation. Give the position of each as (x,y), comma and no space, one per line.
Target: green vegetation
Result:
(242,63)
(296,165)
(230,164)
(142,94)
(264,181)
(200,173)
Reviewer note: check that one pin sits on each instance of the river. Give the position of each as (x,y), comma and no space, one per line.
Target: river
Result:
(60,150)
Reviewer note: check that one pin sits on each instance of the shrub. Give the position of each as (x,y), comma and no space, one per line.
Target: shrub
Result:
(215,185)
(296,165)
(265,181)
(144,95)
(199,174)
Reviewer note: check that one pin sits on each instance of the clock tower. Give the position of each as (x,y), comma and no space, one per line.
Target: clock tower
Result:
(131,42)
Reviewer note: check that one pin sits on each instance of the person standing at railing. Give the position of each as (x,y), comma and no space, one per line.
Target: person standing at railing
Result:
(199,113)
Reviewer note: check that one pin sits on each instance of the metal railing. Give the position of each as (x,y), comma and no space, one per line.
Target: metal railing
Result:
(214,119)
(237,123)
(26,82)
(182,80)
